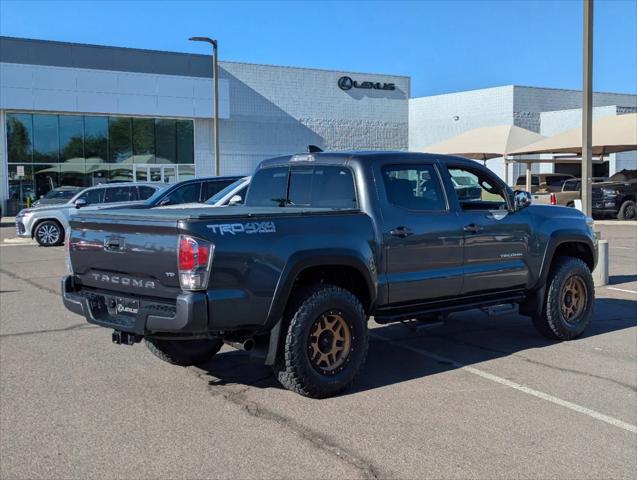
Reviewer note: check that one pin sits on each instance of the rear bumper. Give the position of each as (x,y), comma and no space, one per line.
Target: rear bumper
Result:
(187,315)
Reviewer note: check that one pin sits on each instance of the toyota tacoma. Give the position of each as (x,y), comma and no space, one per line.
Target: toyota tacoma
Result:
(324,242)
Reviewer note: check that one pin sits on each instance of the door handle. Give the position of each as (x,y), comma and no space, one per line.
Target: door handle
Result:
(472,228)
(401,232)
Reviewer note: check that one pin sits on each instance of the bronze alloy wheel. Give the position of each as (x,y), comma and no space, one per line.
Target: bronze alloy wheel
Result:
(574,298)
(330,343)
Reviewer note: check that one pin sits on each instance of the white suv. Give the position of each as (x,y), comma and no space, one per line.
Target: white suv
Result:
(48,224)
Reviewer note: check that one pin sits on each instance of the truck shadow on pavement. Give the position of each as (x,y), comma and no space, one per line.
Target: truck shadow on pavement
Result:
(466,338)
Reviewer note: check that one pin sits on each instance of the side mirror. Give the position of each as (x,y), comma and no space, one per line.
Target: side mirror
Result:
(521,199)
(80,202)
(235,200)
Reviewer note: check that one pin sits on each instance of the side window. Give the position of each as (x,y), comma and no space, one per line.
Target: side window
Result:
(414,187)
(117,194)
(322,187)
(477,190)
(556,181)
(214,187)
(145,192)
(95,195)
(268,188)
(187,194)
(521,182)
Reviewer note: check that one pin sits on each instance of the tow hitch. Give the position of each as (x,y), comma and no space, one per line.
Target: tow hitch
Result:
(124,338)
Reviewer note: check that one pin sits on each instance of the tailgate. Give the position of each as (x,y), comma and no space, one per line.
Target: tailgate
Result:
(129,255)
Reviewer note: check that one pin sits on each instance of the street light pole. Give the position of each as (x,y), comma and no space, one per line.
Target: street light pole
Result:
(215,75)
(587,109)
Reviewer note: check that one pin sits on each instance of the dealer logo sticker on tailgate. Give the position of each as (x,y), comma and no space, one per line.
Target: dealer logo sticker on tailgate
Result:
(247,228)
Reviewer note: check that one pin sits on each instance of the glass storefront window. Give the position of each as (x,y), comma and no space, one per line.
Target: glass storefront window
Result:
(46,147)
(143,140)
(166,141)
(71,139)
(20,137)
(96,139)
(96,173)
(47,177)
(120,173)
(120,146)
(21,188)
(78,150)
(73,174)
(186,172)
(185,145)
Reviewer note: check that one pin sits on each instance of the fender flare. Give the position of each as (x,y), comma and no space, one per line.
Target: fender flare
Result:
(299,262)
(561,237)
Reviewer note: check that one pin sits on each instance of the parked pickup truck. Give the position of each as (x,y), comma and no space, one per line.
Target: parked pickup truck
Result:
(571,191)
(324,242)
(616,197)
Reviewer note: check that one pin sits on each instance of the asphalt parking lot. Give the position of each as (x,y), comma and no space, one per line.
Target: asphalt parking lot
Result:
(475,397)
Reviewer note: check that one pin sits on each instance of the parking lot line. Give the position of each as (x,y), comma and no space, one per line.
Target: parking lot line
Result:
(622,290)
(522,388)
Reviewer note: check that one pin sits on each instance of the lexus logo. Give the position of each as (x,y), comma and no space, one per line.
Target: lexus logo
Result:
(346,83)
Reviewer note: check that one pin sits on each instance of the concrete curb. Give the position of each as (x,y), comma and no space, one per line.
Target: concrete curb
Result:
(615,222)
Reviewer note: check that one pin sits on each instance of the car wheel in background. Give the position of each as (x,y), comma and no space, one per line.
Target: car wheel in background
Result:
(627,211)
(570,205)
(49,233)
(568,305)
(325,344)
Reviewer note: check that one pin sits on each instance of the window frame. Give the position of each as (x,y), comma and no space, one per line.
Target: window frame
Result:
(405,166)
(508,201)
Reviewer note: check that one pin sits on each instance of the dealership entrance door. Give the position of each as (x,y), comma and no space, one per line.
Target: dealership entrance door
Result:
(155,173)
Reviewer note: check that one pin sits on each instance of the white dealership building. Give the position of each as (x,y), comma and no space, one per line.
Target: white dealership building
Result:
(75,114)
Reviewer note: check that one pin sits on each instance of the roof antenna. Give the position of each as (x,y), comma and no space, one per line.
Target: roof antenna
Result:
(314,149)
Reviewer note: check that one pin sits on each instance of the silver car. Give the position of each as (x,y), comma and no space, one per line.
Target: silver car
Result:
(48,224)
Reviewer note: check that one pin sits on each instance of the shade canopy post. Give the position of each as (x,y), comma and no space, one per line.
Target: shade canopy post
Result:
(528,176)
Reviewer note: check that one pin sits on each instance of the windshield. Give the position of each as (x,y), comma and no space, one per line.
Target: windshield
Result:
(222,193)
(61,194)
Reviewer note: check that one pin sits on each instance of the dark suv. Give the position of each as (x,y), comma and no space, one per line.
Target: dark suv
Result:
(197,190)
(617,196)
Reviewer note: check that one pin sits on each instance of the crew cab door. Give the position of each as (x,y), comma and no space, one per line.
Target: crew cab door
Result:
(422,239)
(496,239)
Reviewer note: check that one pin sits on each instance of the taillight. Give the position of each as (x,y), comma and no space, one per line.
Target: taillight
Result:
(553,199)
(194,259)
(67,251)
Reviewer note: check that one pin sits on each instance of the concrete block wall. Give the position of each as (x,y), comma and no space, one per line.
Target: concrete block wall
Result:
(280,110)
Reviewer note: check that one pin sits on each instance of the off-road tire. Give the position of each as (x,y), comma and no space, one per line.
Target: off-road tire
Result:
(49,233)
(184,352)
(552,322)
(294,368)
(627,211)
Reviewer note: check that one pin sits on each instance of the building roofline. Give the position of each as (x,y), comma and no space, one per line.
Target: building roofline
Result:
(201,56)
(514,86)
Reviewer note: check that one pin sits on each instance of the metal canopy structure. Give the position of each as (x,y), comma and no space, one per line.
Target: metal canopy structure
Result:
(612,134)
(488,142)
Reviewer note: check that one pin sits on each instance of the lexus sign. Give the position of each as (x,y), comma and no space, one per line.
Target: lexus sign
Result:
(346,83)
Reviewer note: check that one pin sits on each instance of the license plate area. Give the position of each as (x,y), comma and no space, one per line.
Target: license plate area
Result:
(125,306)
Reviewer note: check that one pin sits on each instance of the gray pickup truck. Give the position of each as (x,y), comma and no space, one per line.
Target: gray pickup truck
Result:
(324,242)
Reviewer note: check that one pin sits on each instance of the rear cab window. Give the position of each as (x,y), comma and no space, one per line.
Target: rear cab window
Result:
(317,186)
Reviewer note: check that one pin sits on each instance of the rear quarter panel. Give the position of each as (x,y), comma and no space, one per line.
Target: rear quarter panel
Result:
(254,266)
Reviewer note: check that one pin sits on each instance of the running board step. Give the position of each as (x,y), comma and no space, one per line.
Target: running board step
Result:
(500,310)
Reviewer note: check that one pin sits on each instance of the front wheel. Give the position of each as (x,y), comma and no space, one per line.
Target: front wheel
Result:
(184,352)
(627,211)
(568,305)
(49,234)
(325,344)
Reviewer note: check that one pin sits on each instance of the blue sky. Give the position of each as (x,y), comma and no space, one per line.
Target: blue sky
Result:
(444,46)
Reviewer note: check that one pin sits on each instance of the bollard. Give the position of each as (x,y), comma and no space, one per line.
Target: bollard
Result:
(600,274)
